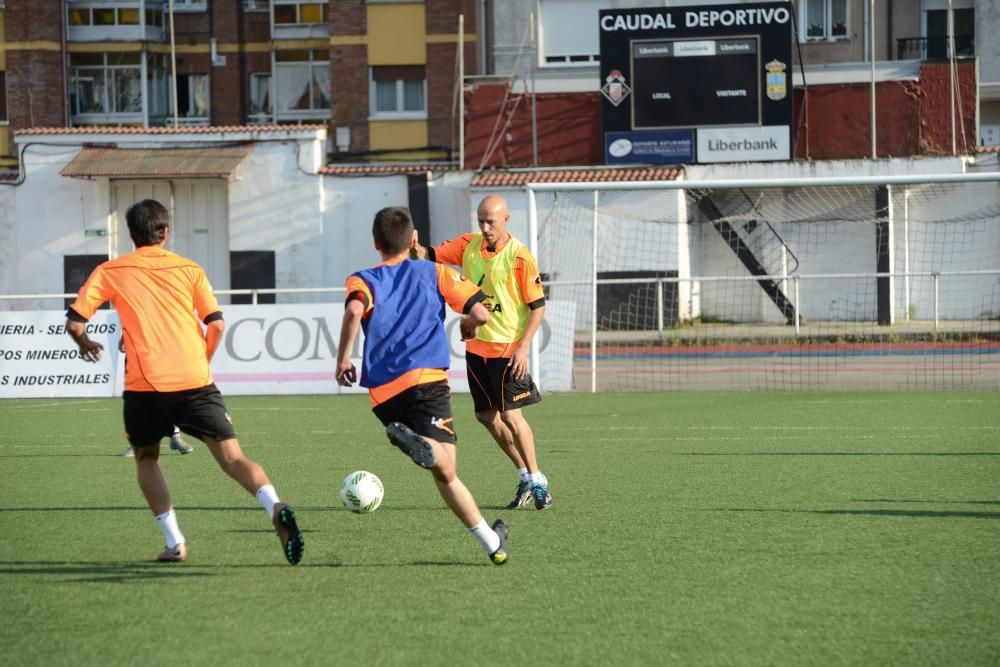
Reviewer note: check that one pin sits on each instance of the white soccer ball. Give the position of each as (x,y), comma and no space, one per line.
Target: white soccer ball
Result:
(361,492)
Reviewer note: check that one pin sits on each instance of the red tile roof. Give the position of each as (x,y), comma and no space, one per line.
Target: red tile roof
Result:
(592,174)
(384,169)
(190,129)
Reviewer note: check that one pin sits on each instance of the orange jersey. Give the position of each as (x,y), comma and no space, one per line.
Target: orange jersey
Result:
(458,293)
(156,294)
(525,277)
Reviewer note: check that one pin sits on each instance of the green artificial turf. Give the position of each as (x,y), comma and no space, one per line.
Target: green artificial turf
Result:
(687,529)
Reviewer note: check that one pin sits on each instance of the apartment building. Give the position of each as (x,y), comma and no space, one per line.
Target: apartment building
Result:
(380,75)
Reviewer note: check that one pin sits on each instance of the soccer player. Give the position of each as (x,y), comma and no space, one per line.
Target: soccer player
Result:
(400,305)
(168,381)
(497,358)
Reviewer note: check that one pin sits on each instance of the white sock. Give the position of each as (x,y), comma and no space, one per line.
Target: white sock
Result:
(177,432)
(539,478)
(268,498)
(523,472)
(489,539)
(171,531)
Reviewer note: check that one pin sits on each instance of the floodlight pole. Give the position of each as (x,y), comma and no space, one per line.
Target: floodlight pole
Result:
(951,73)
(871,42)
(461,92)
(173,61)
(534,96)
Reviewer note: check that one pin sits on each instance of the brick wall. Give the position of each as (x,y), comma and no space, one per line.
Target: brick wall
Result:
(568,124)
(35,79)
(348,17)
(349,91)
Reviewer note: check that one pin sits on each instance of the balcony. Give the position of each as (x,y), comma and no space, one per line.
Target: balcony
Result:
(125,21)
(934,48)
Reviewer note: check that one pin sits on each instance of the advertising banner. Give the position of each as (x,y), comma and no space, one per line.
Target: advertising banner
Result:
(266,349)
(38,359)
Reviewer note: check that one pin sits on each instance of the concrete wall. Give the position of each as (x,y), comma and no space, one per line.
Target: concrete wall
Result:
(319,227)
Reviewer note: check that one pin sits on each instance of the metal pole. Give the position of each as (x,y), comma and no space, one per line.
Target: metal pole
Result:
(535,358)
(798,307)
(534,98)
(593,299)
(906,249)
(936,280)
(173,61)
(951,73)
(461,91)
(659,306)
(871,41)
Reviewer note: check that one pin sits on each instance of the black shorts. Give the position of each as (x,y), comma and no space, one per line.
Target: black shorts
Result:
(493,386)
(425,408)
(152,415)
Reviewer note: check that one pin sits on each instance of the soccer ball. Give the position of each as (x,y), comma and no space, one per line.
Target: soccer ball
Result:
(361,492)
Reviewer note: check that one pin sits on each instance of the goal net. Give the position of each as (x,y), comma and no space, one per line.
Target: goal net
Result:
(863,286)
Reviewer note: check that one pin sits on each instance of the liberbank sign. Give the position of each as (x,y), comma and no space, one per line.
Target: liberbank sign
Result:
(697,83)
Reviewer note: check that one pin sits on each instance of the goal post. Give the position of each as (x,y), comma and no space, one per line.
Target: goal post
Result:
(872,282)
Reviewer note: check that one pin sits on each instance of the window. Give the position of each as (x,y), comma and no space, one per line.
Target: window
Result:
(193,95)
(824,20)
(302,81)
(568,34)
(105,83)
(3,96)
(299,12)
(398,90)
(109,16)
(260,97)
(255,5)
(188,5)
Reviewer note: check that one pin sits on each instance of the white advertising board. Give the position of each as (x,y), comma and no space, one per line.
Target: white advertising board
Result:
(744,144)
(38,359)
(266,349)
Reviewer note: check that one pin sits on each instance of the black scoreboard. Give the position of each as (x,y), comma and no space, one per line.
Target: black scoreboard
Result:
(716,79)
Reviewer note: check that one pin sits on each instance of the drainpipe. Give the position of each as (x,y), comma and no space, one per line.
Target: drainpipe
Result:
(65,63)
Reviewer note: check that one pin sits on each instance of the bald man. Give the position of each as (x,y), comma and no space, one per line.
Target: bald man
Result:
(497,356)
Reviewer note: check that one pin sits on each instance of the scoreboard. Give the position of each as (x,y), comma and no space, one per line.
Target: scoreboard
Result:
(697,83)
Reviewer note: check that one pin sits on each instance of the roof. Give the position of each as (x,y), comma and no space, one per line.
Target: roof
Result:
(515,178)
(384,169)
(208,162)
(184,129)
(988,149)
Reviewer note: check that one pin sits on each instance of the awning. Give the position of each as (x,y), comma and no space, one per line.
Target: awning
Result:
(110,162)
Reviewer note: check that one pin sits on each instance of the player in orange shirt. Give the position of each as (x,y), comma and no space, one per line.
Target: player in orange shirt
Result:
(167,380)
(497,358)
(400,304)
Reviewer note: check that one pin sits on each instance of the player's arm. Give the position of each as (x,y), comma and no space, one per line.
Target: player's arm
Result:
(90,297)
(358,303)
(213,334)
(207,307)
(90,350)
(463,297)
(529,281)
(449,252)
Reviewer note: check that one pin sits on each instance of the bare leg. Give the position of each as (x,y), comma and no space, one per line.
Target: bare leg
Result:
(503,436)
(151,480)
(454,492)
(522,436)
(229,455)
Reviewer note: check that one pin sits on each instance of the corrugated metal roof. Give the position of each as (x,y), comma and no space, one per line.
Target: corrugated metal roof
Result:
(189,129)
(519,178)
(208,162)
(383,169)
